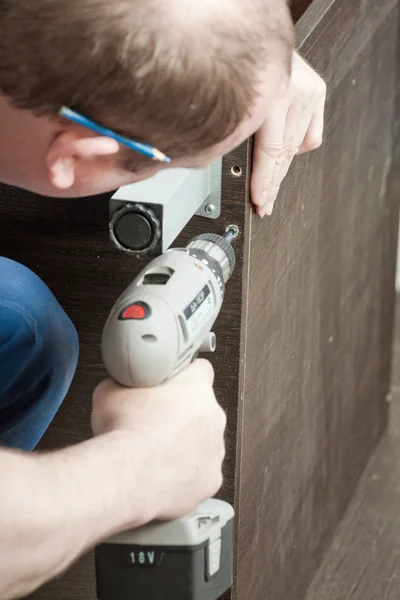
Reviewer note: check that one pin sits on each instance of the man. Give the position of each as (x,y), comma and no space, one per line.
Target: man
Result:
(193,79)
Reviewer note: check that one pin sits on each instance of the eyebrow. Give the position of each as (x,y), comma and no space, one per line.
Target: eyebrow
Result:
(144,149)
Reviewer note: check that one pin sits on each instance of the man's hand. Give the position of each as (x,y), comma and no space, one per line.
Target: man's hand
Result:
(293,126)
(181,427)
(157,453)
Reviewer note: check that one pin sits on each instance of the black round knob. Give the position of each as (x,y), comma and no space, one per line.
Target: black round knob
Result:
(133,231)
(135,228)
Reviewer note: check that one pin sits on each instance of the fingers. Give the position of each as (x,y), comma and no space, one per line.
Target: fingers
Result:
(200,369)
(272,162)
(111,402)
(105,388)
(99,418)
(294,126)
(268,147)
(314,135)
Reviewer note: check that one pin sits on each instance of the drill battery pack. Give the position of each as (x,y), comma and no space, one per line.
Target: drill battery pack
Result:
(187,559)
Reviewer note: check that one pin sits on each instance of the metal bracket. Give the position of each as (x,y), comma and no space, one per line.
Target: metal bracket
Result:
(211,207)
(174,196)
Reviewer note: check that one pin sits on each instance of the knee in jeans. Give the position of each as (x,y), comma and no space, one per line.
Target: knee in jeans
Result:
(38,317)
(60,344)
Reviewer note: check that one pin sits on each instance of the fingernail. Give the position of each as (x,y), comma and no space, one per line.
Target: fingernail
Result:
(269,208)
(261,212)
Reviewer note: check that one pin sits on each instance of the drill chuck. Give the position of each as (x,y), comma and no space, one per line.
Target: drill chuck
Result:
(218,248)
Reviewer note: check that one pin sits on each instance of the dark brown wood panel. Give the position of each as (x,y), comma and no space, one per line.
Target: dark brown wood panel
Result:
(299,7)
(320,311)
(363,562)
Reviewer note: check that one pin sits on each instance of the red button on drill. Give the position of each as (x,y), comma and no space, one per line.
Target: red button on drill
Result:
(135,311)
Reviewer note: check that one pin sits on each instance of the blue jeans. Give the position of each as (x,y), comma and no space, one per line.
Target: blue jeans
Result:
(38,356)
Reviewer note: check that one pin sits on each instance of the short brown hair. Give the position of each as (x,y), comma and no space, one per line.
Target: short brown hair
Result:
(177,74)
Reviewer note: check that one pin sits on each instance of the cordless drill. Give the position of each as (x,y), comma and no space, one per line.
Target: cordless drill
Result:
(155,330)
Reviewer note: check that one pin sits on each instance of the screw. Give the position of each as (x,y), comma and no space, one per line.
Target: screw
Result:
(231,232)
(209,209)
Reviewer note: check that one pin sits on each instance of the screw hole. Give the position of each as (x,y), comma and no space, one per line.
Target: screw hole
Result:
(213,342)
(236,171)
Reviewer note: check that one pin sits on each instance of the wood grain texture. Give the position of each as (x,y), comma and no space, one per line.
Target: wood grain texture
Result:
(396,355)
(363,562)
(299,7)
(320,311)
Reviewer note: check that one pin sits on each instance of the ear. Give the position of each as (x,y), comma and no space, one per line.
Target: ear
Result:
(68,149)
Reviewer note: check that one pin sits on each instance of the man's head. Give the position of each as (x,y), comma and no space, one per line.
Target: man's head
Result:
(192,78)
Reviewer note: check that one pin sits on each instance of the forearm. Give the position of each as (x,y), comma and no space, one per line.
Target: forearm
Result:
(55,506)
